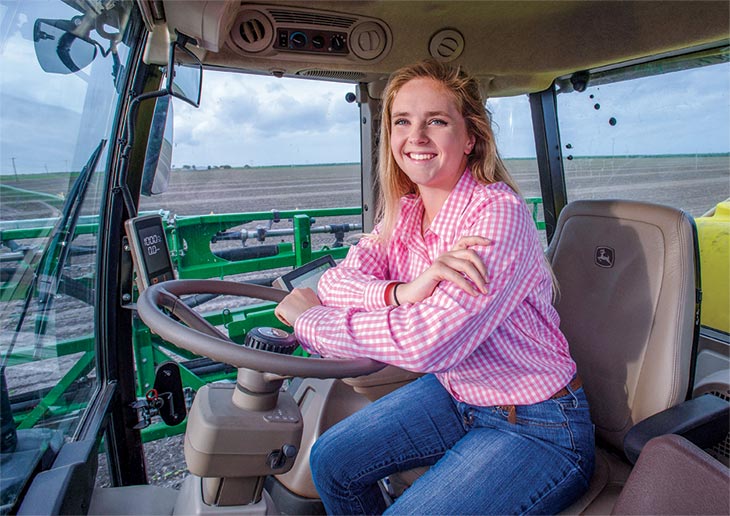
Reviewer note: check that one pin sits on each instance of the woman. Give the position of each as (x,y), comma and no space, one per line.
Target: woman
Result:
(452,282)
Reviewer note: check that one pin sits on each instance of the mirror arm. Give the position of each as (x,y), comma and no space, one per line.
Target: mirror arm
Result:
(128,141)
(132,114)
(184,39)
(98,45)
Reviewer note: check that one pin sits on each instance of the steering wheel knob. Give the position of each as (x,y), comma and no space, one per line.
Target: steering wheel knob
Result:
(274,340)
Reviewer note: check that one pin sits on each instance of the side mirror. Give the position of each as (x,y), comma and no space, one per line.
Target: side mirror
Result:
(158,158)
(58,50)
(184,75)
(184,81)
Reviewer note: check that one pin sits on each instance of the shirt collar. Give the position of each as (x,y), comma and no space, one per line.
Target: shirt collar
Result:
(443,224)
(410,218)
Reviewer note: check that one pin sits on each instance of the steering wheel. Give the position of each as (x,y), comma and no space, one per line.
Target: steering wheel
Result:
(202,338)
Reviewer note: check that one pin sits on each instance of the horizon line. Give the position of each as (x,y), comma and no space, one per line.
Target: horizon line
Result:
(598,156)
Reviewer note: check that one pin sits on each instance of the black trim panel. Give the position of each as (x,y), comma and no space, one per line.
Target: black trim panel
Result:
(543,106)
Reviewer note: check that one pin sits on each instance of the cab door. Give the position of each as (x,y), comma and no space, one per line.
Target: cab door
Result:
(64,75)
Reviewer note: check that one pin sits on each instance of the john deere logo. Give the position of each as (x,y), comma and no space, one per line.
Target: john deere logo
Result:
(604,257)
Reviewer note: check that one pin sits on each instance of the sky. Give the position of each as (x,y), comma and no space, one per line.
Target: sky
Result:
(259,121)
(264,120)
(256,120)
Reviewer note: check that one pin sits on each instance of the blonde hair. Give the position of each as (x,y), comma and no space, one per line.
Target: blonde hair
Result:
(484,161)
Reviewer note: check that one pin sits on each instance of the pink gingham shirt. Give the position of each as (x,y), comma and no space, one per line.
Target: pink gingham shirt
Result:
(499,348)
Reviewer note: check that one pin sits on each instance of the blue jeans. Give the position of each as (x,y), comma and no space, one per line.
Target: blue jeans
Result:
(480,462)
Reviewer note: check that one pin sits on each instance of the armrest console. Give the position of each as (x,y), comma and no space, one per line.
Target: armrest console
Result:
(673,476)
(703,421)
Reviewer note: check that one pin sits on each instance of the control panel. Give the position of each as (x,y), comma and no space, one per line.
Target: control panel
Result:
(269,31)
(311,40)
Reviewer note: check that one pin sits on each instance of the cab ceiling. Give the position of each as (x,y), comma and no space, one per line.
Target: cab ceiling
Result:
(513,46)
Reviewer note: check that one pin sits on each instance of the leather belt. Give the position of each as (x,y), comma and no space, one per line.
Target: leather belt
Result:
(575,384)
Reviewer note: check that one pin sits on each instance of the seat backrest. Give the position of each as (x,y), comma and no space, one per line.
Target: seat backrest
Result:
(626,272)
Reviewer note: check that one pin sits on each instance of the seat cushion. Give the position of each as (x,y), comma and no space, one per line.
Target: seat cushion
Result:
(608,479)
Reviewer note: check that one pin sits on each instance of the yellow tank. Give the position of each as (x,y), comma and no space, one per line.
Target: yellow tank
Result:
(713,229)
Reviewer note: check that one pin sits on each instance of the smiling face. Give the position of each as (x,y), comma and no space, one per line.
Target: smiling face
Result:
(428,136)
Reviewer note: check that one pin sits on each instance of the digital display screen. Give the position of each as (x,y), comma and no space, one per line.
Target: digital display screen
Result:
(149,250)
(310,279)
(154,249)
(307,276)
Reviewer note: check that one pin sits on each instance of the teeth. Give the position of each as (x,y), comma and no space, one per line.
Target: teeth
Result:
(419,157)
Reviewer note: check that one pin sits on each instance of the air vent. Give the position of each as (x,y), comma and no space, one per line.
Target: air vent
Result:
(446,45)
(252,31)
(340,75)
(287,16)
(368,40)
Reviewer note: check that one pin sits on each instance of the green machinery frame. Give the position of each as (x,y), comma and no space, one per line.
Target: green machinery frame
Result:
(189,239)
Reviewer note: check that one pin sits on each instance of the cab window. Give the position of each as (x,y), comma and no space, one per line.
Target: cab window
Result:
(259,151)
(662,138)
(659,132)
(512,125)
(58,93)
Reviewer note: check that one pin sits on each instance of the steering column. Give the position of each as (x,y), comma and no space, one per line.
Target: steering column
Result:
(238,433)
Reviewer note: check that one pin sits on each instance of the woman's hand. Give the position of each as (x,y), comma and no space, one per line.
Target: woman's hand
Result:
(295,304)
(455,266)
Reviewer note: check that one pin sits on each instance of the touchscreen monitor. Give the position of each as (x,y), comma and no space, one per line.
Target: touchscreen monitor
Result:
(306,276)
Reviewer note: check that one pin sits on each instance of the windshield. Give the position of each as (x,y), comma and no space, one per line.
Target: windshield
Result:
(61,66)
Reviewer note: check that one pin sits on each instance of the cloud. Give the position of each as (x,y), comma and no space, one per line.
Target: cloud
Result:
(262,120)
(273,106)
(34,150)
(257,120)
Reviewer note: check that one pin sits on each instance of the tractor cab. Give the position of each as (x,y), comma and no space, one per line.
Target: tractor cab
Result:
(169,169)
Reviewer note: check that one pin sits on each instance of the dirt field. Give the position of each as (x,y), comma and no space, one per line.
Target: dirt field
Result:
(692,183)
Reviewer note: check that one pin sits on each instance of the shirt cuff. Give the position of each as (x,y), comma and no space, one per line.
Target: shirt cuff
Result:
(374,295)
(305,328)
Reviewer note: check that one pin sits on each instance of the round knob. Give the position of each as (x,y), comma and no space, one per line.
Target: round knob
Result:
(271,339)
(289,451)
(318,41)
(298,39)
(337,43)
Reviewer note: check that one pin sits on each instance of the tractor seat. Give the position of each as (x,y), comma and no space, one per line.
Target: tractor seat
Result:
(627,277)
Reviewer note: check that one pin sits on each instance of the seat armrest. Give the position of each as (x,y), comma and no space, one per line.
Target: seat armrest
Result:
(673,476)
(703,421)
